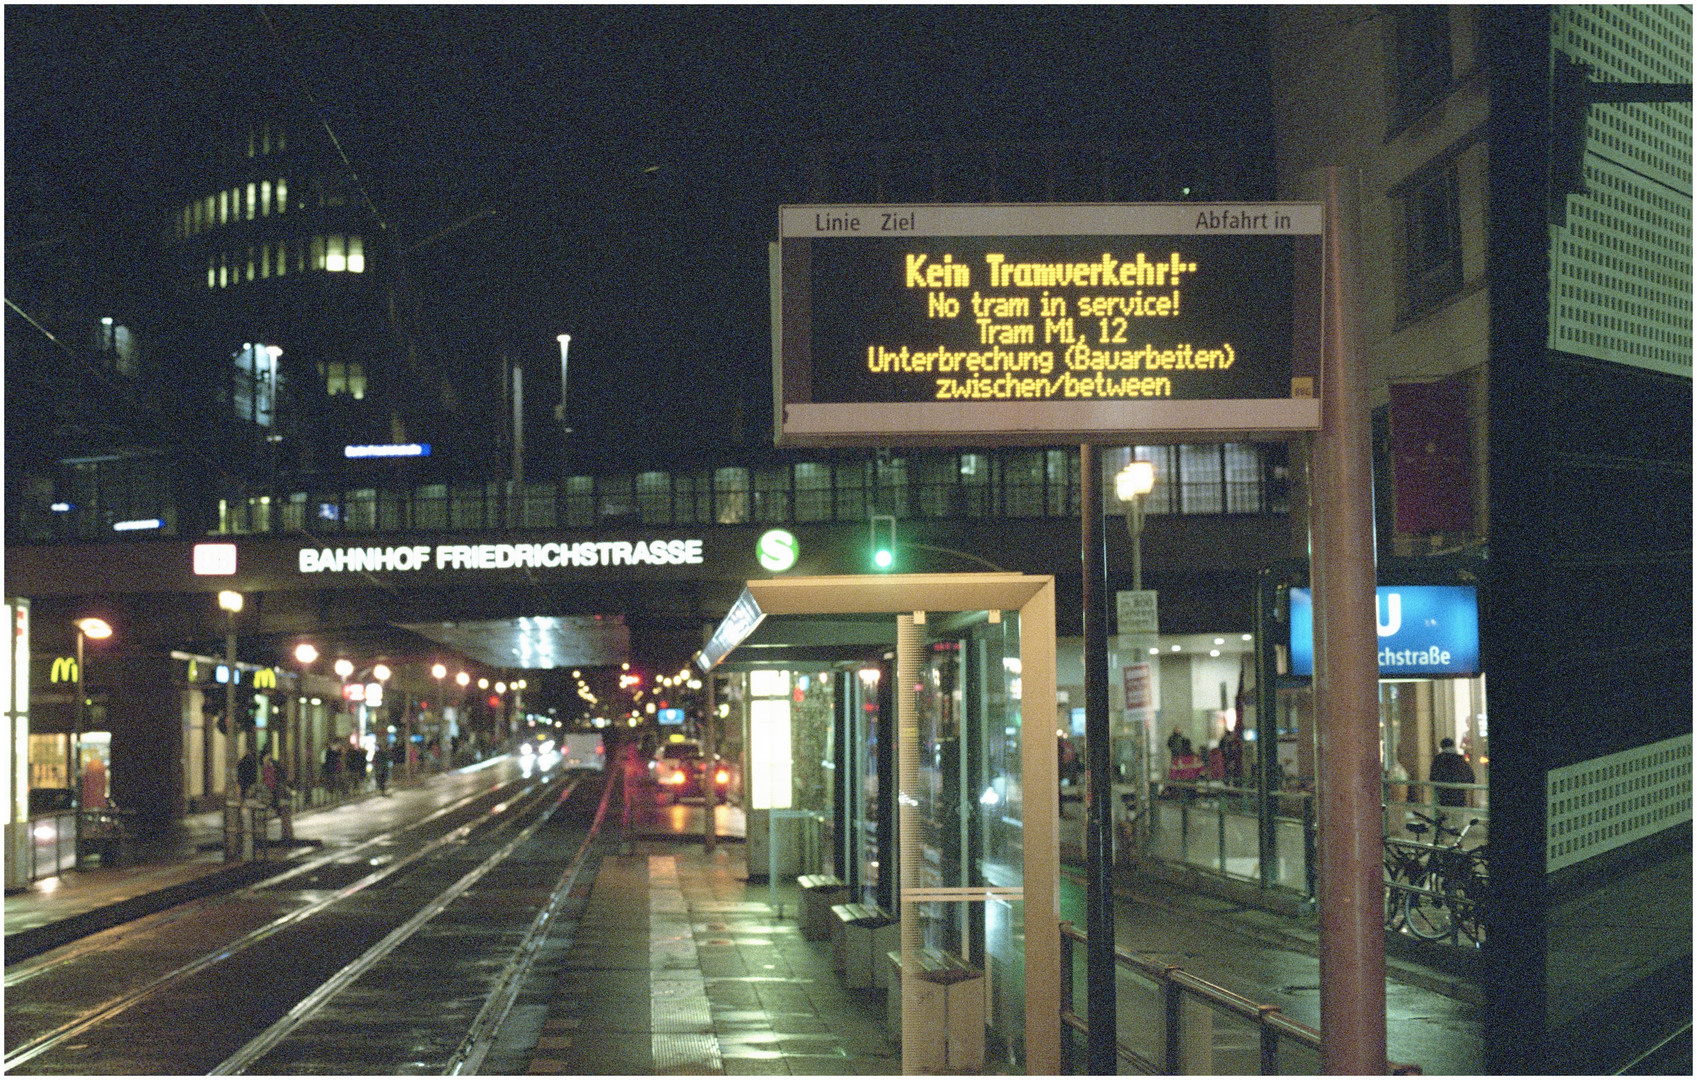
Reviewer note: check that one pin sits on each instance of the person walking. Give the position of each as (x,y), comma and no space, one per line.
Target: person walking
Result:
(380,768)
(1449,767)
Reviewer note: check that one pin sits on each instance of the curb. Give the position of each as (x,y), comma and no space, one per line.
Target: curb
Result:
(26,944)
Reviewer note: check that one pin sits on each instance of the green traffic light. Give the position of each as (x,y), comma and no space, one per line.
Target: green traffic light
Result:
(883,558)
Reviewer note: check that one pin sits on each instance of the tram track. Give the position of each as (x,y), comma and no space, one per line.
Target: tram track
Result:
(490,840)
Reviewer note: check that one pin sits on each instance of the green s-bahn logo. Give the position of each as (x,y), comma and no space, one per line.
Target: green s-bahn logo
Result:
(777,550)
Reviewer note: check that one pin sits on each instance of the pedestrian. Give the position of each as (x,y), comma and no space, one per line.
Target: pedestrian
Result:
(268,776)
(380,768)
(353,765)
(1175,744)
(1449,767)
(1231,746)
(333,769)
(247,772)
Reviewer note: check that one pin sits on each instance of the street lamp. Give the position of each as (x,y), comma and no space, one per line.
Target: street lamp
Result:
(565,341)
(99,629)
(231,602)
(1131,484)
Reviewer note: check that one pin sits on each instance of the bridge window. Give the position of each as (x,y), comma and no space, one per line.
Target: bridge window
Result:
(359,510)
(772,494)
(579,509)
(851,491)
(812,491)
(939,486)
(430,507)
(539,507)
(1022,483)
(469,506)
(889,495)
(692,498)
(730,496)
(654,498)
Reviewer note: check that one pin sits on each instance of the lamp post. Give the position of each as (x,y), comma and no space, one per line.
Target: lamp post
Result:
(305,755)
(231,602)
(565,341)
(99,629)
(1131,484)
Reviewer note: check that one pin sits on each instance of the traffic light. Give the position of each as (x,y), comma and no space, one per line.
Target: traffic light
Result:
(883,541)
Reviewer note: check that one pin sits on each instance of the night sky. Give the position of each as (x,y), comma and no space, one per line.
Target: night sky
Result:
(634,157)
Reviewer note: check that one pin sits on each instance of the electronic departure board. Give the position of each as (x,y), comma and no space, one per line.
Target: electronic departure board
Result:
(1022,323)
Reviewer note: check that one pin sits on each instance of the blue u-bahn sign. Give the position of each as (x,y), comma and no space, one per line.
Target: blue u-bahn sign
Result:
(1425,631)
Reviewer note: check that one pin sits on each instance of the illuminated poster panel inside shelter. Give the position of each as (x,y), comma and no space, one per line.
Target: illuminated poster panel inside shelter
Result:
(1027,323)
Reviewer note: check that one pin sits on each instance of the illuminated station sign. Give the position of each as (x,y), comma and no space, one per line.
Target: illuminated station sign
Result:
(1037,323)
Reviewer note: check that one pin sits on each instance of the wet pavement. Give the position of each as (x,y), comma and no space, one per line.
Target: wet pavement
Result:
(672,961)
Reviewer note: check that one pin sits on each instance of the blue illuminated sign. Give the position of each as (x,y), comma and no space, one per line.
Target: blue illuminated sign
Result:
(671,716)
(1424,631)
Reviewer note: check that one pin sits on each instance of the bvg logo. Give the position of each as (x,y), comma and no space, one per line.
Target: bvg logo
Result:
(265,679)
(64,670)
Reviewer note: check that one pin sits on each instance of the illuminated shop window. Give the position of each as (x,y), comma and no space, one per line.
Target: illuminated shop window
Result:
(335,256)
(252,198)
(317,253)
(282,194)
(356,255)
(265,198)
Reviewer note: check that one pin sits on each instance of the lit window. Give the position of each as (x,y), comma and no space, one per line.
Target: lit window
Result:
(211,272)
(265,143)
(356,255)
(282,188)
(249,142)
(335,257)
(211,211)
(356,381)
(250,263)
(265,198)
(318,253)
(223,272)
(223,207)
(280,146)
(265,260)
(252,198)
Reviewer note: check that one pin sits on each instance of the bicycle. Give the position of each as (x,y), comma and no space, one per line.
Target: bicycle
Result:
(1434,890)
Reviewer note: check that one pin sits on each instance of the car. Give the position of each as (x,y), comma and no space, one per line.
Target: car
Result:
(681,769)
(583,751)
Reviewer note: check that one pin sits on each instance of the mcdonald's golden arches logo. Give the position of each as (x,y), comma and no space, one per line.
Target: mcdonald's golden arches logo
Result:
(265,679)
(64,670)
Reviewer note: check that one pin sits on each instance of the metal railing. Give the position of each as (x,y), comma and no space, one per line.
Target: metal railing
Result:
(1185,1025)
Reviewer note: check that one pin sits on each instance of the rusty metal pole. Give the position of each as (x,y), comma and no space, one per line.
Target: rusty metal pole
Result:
(1346,670)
